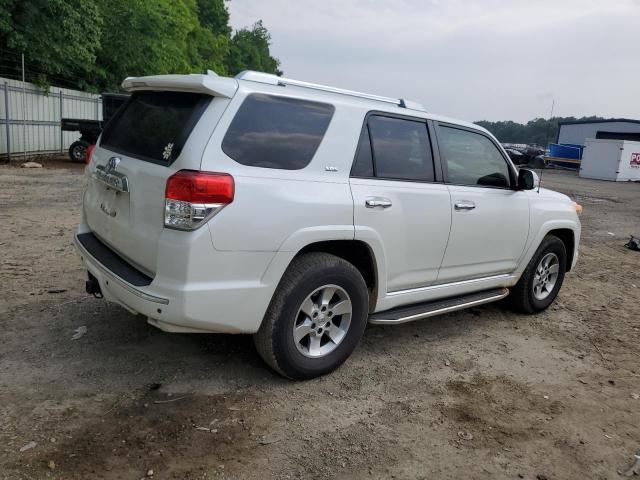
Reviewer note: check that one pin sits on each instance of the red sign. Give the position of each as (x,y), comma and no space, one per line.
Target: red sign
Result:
(635,160)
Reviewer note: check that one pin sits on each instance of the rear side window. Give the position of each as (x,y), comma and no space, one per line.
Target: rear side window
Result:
(363,164)
(276,132)
(154,126)
(395,149)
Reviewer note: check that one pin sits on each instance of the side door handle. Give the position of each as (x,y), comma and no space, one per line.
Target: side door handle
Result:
(377,202)
(463,205)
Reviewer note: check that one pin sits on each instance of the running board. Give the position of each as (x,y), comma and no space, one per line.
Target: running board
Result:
(438,307)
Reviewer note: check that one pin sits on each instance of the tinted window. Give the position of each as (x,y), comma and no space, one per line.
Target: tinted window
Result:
(276,132)
(401,149)
(363,163)
(472,159)
(154,126)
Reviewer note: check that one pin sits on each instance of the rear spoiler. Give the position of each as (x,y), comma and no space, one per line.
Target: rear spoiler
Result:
(210,84)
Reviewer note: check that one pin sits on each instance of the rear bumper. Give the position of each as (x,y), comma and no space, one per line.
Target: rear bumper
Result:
(108,278)
(233,305)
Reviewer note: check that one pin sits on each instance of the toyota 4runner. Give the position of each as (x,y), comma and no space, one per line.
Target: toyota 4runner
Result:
(299,212)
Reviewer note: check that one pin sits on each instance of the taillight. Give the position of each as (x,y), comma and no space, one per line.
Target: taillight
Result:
(87,157)
(193,197)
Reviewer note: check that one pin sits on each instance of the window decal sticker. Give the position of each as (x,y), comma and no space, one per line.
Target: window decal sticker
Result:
(166,153)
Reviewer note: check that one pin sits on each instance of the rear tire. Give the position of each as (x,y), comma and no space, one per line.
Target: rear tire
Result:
(301,345)
(541,280)
(78,151)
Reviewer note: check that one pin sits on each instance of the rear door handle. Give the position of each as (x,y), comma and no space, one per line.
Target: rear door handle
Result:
(377,202)
(464,205)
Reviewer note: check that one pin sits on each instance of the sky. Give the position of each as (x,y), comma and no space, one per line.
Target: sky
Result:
(473,60)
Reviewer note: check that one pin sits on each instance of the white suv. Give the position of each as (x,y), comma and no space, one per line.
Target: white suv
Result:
(299,212)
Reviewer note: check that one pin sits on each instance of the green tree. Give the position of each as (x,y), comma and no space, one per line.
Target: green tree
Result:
(209,44)
(538,131)
(58,37)
(143,37)
(214,16)
(95,44)
(6,15)
(207,51)
(249,50)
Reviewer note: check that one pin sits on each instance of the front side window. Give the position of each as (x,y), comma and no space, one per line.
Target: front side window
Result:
(395,149)
(472,159)
(276,132)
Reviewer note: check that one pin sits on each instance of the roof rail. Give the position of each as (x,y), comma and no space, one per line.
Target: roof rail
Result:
(282,81)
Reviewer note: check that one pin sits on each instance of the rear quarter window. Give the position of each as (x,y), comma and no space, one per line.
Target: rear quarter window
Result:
(154,126)
(276,132)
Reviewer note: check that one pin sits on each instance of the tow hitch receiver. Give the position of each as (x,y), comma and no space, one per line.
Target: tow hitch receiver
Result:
(92,286)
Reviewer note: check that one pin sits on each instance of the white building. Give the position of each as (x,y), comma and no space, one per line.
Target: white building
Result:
(576,132)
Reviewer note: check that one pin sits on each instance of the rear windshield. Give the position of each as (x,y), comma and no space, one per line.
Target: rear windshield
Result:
(276,132)
(154,126)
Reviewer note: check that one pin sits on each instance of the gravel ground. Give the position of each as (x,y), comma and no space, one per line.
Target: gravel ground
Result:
(482,393)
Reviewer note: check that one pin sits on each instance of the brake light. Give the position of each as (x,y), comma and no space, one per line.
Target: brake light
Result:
(193,197)
(87,157)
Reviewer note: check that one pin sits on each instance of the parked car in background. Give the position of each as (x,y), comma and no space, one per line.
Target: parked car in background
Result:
(299,212)
(90,129)
(516,156)
(523,154)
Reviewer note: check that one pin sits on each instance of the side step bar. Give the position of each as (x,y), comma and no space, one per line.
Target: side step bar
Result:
(438,307)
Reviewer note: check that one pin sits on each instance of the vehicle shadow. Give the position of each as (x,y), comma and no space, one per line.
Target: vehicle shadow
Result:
(122,352)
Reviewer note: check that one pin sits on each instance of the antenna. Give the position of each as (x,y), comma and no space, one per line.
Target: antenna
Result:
(553,103)
(540,176)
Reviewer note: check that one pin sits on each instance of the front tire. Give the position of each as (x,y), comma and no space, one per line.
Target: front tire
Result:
(541,280)
(316,318)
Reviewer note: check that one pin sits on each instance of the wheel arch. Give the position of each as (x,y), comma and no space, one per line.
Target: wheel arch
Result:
(568,231)
(356,252)
(568,238)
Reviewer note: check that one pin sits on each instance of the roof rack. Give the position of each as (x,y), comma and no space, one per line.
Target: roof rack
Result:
(282,81)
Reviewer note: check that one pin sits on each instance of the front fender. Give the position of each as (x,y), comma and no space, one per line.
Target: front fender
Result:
(542,231)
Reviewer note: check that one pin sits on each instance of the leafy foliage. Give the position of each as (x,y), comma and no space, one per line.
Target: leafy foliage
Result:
(95,44)
(250,51)
(59,33)
(213,15)
(538,131)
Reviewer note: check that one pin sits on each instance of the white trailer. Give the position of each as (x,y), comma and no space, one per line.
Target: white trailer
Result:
(617,160)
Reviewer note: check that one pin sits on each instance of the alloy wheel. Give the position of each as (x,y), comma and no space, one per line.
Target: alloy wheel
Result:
(322,321)
(546,276)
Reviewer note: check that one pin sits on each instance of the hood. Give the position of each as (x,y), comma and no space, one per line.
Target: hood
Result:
(551,195)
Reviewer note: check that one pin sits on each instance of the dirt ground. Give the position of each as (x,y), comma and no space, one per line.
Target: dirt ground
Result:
(483,394)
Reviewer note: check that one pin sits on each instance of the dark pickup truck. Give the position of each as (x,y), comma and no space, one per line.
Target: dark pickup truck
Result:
(90,129)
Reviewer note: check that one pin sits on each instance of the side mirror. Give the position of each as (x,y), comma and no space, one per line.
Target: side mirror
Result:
(527,179)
